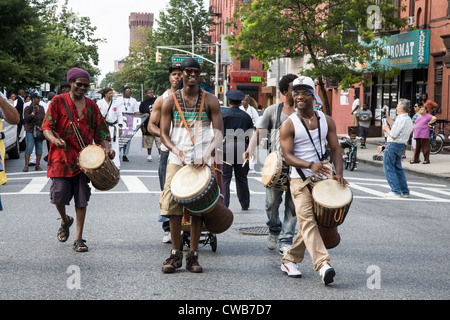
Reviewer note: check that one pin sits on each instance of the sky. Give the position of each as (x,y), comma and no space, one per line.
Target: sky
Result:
(111,19)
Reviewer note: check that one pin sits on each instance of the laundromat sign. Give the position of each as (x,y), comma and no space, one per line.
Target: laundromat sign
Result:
(246,79)
(409,50)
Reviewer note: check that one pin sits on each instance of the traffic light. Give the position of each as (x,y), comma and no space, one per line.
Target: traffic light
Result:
(158,56)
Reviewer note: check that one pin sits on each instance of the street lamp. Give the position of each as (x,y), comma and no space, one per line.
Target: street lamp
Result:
(190,24)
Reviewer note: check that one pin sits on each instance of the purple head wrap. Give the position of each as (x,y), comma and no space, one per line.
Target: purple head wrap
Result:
(77,73)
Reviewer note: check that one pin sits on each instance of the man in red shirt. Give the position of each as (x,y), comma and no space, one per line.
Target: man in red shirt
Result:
(67,178)
(429,104)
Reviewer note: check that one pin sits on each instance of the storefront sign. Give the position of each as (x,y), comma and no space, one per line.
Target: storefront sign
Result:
(246,79)
(408,50)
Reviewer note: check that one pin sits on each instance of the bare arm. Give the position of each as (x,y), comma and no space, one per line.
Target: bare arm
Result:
(336,152)
(9,112)
(155,117)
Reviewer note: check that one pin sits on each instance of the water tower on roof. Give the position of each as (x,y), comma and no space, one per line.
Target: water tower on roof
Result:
(138,21)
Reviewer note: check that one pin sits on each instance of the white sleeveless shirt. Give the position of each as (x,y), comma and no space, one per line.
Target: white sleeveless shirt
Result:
(303,147)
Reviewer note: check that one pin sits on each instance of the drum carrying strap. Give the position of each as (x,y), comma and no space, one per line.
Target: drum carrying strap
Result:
(75,128)
(321,157)
(199,116)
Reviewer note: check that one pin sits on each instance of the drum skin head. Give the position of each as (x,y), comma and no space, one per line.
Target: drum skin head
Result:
(189,181)
(92,157)
(270,168)
(329,193)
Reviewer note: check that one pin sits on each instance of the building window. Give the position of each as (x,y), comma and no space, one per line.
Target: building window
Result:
(438,71)
(245,64)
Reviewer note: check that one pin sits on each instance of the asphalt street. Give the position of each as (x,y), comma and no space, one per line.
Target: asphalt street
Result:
(391,249)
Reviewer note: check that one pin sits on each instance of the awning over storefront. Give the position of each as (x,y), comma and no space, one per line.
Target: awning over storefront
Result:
(409,50)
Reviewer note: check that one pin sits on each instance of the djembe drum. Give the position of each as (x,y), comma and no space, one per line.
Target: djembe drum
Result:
(331,204)
(275,172)
(102,172)
(196,189)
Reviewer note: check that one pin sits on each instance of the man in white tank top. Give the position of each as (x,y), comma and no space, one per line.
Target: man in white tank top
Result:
(153,128)
(303,137)
(182,151)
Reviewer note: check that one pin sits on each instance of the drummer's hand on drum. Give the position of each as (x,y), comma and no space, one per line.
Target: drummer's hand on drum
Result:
(60,143)
(111,153)
(321,168)
(181,155)
(341,180)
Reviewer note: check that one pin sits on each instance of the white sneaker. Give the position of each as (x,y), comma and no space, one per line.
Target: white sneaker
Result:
(167,238)
(284,248)
(327,273)
(272,241)
(405,195)
(392,194)
(291,270)
(149,158)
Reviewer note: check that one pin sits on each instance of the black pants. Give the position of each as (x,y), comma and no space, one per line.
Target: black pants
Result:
(240,175)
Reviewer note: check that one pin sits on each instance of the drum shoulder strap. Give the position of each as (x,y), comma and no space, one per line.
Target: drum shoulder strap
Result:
(302,175)
(202,103)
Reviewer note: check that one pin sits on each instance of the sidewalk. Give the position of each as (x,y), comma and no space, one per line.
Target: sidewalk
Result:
(439,168)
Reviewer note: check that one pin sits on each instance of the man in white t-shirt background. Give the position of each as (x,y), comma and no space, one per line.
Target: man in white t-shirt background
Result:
(128,104)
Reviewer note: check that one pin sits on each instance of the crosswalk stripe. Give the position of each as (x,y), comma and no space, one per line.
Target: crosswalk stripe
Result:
(35,186)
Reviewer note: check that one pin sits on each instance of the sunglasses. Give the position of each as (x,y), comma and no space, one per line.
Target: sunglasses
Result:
(302,93)
(79,85)
(189,71)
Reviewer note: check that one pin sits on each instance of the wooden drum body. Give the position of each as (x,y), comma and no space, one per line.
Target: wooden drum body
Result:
(275,172)
(331,204)
(102,172)
(197,190)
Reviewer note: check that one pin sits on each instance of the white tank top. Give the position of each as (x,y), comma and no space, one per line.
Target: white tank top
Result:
(303,147)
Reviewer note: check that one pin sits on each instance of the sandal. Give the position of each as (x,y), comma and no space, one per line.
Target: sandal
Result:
(63,231)
(79,245)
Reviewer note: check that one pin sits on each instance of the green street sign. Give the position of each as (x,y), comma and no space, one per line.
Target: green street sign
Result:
(181,59)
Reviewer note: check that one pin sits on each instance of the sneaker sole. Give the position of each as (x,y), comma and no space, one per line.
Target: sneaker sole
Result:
(283,268)
(329,276)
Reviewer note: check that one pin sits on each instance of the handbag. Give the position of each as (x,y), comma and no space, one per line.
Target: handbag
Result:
(38,134)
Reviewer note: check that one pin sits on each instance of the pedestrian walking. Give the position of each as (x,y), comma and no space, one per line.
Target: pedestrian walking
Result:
(186,103)
(281,234)
(33,116)
(153,128)
(356,108)
(238,127)
(250,106)
(68,181)
(112,113)
(146,107)
(398,133)
(364,118)
(303,138)
(128,104)
(422,126)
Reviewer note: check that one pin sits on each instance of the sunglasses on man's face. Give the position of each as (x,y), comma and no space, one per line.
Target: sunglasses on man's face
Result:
(302,93)
(189,71)
(79,84)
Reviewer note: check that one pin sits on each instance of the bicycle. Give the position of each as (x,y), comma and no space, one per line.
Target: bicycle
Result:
(436,140)
(350,160)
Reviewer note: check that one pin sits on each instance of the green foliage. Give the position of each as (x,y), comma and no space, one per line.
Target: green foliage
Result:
(38,45)
(324,33)
(174,29)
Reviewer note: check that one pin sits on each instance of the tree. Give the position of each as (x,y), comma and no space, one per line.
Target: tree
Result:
(174,29)
(324,32)
(38,45)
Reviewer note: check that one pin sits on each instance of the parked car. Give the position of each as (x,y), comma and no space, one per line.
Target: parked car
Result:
(10,139)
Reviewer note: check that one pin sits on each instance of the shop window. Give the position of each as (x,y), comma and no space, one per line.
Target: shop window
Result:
(438,70)
(245,64)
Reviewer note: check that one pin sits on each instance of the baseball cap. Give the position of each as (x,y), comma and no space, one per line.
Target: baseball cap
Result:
(303,82)
(174,66)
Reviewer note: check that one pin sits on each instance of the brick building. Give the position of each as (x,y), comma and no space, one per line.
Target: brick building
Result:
(137,21)
(248,75)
